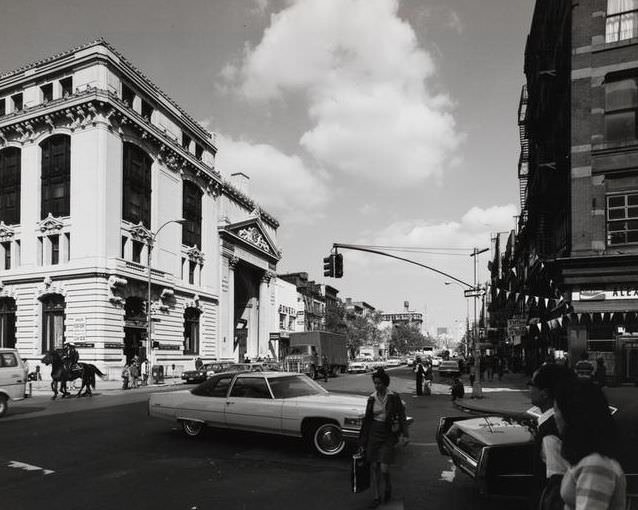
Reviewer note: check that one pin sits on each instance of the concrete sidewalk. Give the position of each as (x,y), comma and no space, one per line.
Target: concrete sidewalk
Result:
(511,396)
(111,386)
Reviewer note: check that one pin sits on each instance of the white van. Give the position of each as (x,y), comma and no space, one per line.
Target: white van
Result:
(13,378)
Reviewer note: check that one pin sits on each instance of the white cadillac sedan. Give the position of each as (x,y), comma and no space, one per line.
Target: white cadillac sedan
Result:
(272,402)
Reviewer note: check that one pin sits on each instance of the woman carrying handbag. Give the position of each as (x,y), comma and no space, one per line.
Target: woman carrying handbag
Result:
(384,426)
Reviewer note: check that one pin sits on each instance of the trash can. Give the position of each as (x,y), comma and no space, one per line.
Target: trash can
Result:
(157,374)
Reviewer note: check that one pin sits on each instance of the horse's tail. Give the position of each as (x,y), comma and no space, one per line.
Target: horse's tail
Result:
(96,370)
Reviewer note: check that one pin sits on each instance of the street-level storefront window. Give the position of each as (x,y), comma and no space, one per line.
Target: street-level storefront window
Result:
(622,20)
(52,322)
(7,322)
(621,109)
(191,331)
(622,218)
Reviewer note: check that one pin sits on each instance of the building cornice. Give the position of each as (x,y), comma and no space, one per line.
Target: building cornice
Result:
(118,61)
(93,105)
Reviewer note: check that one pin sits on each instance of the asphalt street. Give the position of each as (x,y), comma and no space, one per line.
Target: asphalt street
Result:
(106,453)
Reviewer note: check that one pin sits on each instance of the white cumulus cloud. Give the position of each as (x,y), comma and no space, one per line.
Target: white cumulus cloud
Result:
(373,110)
(279,182)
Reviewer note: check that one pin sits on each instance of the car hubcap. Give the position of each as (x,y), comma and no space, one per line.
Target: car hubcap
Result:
(328,440)
(192,428)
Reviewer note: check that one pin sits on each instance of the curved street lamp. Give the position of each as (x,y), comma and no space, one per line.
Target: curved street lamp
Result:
(150,242)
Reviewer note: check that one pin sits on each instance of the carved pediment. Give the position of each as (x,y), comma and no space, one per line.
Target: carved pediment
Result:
(140,233)
(254,236)
(6,232)
(252,233)
(50,225)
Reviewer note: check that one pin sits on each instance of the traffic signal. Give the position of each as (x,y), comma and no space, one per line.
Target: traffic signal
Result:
(338,265)
(329,266)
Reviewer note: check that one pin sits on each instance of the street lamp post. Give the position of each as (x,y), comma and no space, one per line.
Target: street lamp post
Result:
(150,242)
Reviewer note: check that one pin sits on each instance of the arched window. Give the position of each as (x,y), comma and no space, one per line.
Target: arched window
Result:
(192,211)
(136,204)
(7,322)
(10,185)
(56,176)
(52,322)
(191,331)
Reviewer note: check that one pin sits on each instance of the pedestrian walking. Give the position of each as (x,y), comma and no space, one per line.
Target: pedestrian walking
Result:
(125,376)
(198,363)
(595,479)
(600,376)
(144,370)
(456,389)
(419,369)
(384,426)
(134,372)
(427,378)
(549,462)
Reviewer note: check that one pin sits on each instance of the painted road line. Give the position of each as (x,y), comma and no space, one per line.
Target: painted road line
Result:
(28,467)
(448,475)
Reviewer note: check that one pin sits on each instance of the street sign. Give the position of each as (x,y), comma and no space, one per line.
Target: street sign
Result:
(474,292)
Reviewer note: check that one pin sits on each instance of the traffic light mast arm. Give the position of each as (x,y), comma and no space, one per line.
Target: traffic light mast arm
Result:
(377,252)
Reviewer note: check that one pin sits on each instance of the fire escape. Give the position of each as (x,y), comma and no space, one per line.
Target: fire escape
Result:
(523,160)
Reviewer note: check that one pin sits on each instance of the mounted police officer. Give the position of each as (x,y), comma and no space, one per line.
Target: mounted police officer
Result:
(71,358)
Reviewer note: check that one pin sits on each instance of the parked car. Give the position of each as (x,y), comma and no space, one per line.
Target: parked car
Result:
(256,366)
(449,368)
(497,452)
(13,378)
(436,361)
(207,370)
(359,365)
(281,403)
(393,361)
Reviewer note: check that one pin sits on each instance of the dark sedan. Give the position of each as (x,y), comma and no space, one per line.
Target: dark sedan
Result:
(207,370)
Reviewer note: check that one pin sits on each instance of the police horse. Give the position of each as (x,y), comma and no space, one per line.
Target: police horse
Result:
(60,375)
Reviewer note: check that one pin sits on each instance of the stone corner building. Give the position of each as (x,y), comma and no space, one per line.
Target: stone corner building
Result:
(94,159)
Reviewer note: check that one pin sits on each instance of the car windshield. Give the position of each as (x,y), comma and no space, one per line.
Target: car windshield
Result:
(294,386)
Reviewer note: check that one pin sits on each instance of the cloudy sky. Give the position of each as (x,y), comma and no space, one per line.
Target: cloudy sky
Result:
(378,122)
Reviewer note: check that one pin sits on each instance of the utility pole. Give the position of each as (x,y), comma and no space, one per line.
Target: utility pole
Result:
(477,390)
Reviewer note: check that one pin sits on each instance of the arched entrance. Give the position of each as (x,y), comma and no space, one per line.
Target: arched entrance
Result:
(134,328)
(7,322)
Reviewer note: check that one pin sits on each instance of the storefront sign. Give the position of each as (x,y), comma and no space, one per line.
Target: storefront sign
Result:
(288,310)
(113,346)
(516,327)
(169,347)
(273,337)
(619,292)
(84,345)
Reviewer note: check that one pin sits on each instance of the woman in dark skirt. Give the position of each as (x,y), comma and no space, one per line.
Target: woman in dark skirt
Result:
(384,423)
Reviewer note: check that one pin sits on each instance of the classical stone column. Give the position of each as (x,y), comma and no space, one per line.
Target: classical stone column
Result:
(262,347)
(230,332)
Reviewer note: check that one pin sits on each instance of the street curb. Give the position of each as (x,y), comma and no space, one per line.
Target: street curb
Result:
(462,406)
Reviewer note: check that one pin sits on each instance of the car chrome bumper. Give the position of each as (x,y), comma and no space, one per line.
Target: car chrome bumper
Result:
(350,434)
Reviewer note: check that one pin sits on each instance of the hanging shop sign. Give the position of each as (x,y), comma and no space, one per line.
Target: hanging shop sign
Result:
(616,293)
(516,327)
